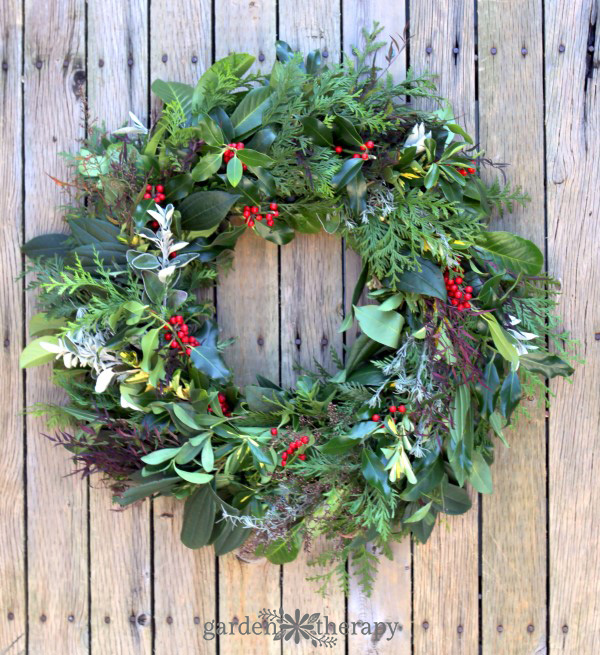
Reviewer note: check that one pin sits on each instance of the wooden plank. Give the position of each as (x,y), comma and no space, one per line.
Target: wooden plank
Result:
(445,607)
(119,540)
(573,171)
(514,569)
(13,617)
(381,606)
(247,585)
(184,580)
(311,303)
(57,505)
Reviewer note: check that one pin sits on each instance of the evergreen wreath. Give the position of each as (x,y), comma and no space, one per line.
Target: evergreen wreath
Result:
(461,326)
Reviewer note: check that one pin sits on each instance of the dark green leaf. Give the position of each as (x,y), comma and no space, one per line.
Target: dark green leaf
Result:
(210,131)
(206,357)
(546,364)
(149,488)
(284,52)
(179,186)
(279,234)
(219,115)
(198,518)
(46,245)
(259,398)
(174,91)
(248,114)
(207,166)
(432,176)
(313,62)
(374,472)
(429,281)
(455,500)
(511,251)
(383,327)
(282,551)
(481,475)
(362,350)
(262,140)
(253,158)
(347,132)
(318,131)
(204,210)
(510,394)
(490,384)
(357,193)
(347,173)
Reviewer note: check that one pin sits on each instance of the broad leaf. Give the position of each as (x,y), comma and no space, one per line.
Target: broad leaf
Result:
(198,518)
(248,114)
(481,474)
(347,173)
(546,364)
(46,245)
(429,281)
(207,166)
(253,158)
(383,327)
(318,131)
(510,394)
(34,354)
(374,472)
(234,171)
(206,356)
(174,91)
(204,210)
(511,251)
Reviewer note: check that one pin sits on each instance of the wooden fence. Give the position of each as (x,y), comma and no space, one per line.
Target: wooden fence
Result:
(518,575)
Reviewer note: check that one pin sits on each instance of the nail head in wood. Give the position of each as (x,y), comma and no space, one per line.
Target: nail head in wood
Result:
(261,56)
(130,62)
(4,66)
(132,618)
(44,618)
(194,59)
(523,51)
(428,49)
(493,50)
(70,618)
(66,63)
(325,53)
(455,50)
(324,341)
(530,628)
(561,48)
(196,620)
(565,629)
(107,619)
(260,341)
(165,58)
(38,64)
(460,629)
(142,619)
(169,620)
(298,341)
(500,628)
(101,63)
(425,625)
(11,616)
(597,336)
(590,48)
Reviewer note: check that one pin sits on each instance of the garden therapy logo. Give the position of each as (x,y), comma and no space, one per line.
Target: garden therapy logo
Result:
(298,626)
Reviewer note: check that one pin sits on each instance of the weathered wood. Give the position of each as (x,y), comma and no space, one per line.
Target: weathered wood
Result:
(57,540)
(184,580)
(311,303)
(573,172)
(245,587)
(119,540)
(396,574)
(13,617)
(514,570)
(445,570)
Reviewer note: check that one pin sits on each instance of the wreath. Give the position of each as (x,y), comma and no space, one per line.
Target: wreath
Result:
(459,328)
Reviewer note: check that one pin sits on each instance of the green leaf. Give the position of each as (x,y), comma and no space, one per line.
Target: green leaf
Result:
(501,340)
(193,477)
(347,132)
(429,281)
(210,131)
(179,186)
(219,115)
(160,456)
(511,251)
(234,171)
(204,210)
(427,480)
(362,349)
(488,296)
(546,364)
(207,457)
(248,114)
(42,324)
(35,355)
(229,537)
(284,550)
(432,176)
(149,488)
(262,140)
(349,170)
(149,344)
(383,327)
(185,417)
(510,394)
(145,262)
(206,356)
(155,289)
(496,422)
(279,234)
(420,514)
(46,245)
(457,129)
(374,472)
(481,474)
(259,456)
(455,500)
(490,384)
(253,158)
(198,518)
(318,131)
(207,166)
(174,91)
(357,194)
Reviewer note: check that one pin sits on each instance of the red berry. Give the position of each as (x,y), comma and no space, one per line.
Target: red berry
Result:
(460,307)
(462,171)
(339,150)
(469,289)
(458,280)
(302,457)
(401,409)
(246,214)
(180,319)
(290,451)
(356,155)
(148,187)
(376,418)
(173,255)
(244,167)
(185,339)
(467,305)
(155,225)
(365,156)
(283,455)
(156,200)
(393,409)
(254,210)
(298,443)
(454,287)
(173,320)
(174,344)
(270,223)
(305,439)
(468,296)
(162,197)
(168,336)
(274,431)
(160,188)
(458,294)
(275,213)
(147,196)
(454,302)
(250,222)
(185,328)
(222,398)
(259,217)
(239,145)
(180,333)
(363,146)
(471,170)
(246,208)
(370,145)
(273,206)
(283,462)
(188,351)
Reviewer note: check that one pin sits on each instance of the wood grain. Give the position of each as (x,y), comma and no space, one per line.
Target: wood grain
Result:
(573,172)
(445,569)
(514,570)
(119,540)
(184,580)
(245,587)
(311,305)
(13,617)
(396,573)
(57,542)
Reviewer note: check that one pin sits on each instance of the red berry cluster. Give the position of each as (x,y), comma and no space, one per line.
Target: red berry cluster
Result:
(178,335)
(393,409)
(292,448)
(367,145)
(159,193)
(459,296)
(252,214)
(470,170)
(230,152)
(224,405)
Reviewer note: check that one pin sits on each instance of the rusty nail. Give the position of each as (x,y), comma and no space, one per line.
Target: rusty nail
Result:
(428,49)
(425,625)
(523,51)
(500,628)
(261,56)
(101,63)
(565,629)
(169,620)
(11,616)
(493,51)
(107,619)
(590,48)
(130,62)
(70,618)
(530,628)
(165,58)
(561,48)
(4,66)
(38,64)
(44,618)
(196,620)
(455,50)
(460,629)
(194,59)
(260,341)
(325,53)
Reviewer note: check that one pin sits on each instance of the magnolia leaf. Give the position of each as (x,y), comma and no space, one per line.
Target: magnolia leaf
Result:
(204,210)
(511,251)
(381,326)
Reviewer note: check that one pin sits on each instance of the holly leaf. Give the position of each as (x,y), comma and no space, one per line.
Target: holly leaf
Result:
(347,173)
(318,131)
(206,356)
(374,472)
(546,364)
